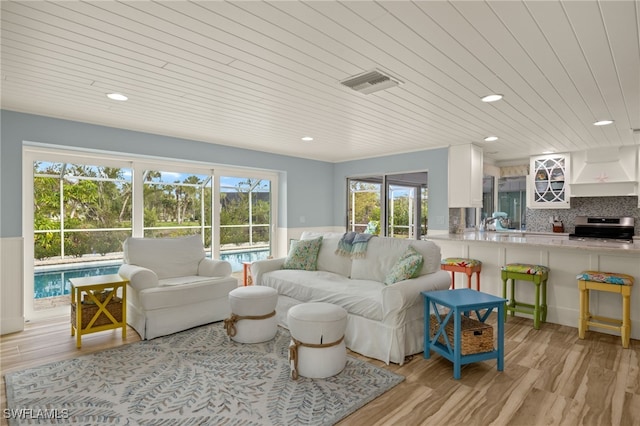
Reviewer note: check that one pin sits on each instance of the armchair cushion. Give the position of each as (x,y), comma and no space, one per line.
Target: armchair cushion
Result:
(167,257)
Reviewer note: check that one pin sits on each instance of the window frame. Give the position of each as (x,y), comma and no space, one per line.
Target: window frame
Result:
(33,151)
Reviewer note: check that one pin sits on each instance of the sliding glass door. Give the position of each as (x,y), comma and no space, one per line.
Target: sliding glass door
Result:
(402,211)
(245,219)
(364,206)
(389,205)
(79,208)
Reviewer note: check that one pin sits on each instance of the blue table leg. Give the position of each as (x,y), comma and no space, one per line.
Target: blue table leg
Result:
(427,327)
(457,351)
(501,337)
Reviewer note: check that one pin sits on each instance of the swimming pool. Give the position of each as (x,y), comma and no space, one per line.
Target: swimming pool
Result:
(54,281)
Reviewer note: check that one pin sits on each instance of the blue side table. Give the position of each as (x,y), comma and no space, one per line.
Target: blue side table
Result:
(461,301)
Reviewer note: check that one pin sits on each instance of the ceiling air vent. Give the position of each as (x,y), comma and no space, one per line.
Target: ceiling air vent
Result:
(370,81)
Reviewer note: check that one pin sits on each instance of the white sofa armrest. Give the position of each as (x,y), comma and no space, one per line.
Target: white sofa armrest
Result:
(214,268)
(139,278)
(260,267)
(400,296)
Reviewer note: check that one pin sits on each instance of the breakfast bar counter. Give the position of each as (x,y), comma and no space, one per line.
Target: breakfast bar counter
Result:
(565,258)
(540,239)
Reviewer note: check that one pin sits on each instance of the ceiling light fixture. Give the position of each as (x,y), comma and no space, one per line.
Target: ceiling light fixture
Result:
(603,123)
(547,152)
(117,96)
(491,98)
(490,138)
(307,138)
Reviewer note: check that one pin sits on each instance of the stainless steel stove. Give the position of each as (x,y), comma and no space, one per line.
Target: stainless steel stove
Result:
(606,229)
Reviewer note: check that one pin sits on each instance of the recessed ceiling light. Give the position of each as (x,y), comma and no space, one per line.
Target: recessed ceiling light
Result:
(307,138)
(117,96)
(603,123)
(491,98)
(490,138)
(547,152)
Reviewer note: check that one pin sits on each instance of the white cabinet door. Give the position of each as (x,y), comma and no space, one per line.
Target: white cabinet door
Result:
(548,183)
(465,176)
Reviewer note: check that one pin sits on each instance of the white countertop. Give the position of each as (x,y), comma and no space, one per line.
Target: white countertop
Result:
(537,239)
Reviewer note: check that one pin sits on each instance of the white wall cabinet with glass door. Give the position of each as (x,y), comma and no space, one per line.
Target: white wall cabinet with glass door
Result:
(548,183)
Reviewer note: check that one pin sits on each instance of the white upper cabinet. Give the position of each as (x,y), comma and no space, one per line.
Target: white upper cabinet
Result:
(465,175)
(548,183)
(611,171)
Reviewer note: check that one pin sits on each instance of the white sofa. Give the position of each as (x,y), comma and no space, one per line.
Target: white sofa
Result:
(173,286)
(385,322)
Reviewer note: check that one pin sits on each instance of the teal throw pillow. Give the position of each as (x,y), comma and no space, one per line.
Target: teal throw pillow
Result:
(303,255)
(408,266)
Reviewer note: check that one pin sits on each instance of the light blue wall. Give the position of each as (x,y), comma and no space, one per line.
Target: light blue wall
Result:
(312,193)
(305,185)
(434,161)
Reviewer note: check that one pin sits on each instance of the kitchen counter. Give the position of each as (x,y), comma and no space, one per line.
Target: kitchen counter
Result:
(565,258)
(544,239)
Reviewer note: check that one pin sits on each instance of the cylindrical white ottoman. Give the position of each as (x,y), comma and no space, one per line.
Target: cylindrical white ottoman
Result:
(253,314)
(317,347)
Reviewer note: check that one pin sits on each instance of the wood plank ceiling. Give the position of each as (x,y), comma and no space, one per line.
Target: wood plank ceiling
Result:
(261,75)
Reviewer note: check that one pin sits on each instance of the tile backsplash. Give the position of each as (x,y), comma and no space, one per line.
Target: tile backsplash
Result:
(538,219)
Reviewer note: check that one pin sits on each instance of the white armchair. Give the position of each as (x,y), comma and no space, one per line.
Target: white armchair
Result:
(173,286)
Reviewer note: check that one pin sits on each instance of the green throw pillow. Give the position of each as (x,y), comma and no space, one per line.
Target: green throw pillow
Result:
(408,266)
(303,255)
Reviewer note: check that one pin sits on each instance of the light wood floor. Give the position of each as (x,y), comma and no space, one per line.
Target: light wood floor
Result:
(550,378)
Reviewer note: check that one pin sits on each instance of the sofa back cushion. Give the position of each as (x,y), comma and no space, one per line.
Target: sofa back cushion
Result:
(384,252)
(328,260)
(167,257)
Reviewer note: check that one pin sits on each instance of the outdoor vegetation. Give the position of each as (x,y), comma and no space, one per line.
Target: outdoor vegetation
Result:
(364,210)
(81,209)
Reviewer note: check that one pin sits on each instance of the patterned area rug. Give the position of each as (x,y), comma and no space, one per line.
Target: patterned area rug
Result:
(196,377)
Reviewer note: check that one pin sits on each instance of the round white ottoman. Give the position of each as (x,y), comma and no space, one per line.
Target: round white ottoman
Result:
(253,314)
(317,347)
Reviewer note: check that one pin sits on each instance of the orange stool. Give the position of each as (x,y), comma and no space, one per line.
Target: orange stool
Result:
(247,279)
(613,283)
(464,265)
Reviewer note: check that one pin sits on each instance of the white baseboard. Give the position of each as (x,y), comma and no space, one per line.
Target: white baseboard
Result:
(11,285)
(11,325)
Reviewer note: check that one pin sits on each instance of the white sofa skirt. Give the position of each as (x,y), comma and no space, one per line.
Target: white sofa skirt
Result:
(374,338)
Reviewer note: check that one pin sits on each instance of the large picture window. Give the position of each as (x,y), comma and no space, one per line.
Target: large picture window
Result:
(79,209)
(177,204)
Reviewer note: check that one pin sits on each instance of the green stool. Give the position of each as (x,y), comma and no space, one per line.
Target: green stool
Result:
(538,275)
